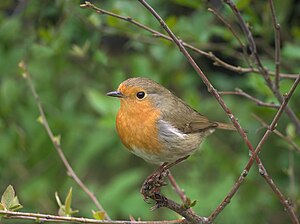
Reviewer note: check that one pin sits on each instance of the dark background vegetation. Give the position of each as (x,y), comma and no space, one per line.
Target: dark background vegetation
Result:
(75,56)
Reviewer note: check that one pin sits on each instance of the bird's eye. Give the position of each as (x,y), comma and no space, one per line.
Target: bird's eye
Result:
(140,95)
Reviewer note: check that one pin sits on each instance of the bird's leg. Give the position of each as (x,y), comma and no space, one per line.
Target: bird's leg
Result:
(169,165)
(156,180)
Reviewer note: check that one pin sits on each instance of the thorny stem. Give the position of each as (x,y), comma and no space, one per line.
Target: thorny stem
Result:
(56,142)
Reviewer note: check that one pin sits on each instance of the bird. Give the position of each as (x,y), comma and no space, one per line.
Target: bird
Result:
(158,126)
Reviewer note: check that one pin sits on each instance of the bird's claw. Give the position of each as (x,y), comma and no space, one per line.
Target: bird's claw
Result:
(153,183)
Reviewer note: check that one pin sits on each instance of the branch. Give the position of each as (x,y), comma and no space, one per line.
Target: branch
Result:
(55,140)
(38,217)
(227,24)
(262,170)
(264,71)
(284,137)
(210,55)
(276,26)
(257,101)
(190,216)
(214,92)
(176,188)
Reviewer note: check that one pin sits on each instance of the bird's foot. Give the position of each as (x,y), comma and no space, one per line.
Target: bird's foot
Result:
(152,185)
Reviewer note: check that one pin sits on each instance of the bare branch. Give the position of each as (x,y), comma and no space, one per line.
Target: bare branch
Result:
(176,188)
(53,218)
(284,137)
(228,25)
(264,71)
(210,55)
(56,141)
(214,92)
(257,101)
(262,170)
(276,26)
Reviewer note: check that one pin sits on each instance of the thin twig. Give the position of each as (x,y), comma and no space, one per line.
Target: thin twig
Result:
(210,55)
(292,178)
(262,170)
(284,137)
(210,87)
(176,187)
(264,71)
(228,25)
(38,217)
(231,116)
(56,141)
(276,26)
(257,101)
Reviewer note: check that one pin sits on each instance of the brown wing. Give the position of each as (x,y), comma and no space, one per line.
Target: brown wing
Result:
(199,126)
(183,117)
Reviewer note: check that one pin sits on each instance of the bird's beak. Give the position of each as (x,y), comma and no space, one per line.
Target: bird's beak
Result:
(115,94)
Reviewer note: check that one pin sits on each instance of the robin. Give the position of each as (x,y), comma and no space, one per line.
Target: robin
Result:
(156,125)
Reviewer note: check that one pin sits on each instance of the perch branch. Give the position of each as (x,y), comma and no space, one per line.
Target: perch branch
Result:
(56,141)
(214,92)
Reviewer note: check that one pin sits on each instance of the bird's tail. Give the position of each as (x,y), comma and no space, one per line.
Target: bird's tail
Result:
(225,126)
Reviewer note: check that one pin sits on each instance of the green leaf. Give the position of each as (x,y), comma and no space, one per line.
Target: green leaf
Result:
(99,215)
(193,203)
(2,206)
(9,201)
(68,202)
(7,197)
(65,209)
(15,207)
(58,199)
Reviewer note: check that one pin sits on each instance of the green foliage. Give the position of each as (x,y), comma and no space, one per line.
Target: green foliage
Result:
(65,209)
(75,56)
(10,202)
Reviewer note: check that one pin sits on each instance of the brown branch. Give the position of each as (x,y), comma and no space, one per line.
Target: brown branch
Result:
(190,216)
(231,116)
(56,142)
(210,55)
(262,170)
(257,101)
(264,71)
(276,26)
(38,217)
(228,25)
(292,179)
(176,188)
(284,137)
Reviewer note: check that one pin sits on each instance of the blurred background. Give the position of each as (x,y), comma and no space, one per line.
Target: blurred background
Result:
(75,56)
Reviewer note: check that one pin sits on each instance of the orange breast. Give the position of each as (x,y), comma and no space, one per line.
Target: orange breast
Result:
(136,126)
